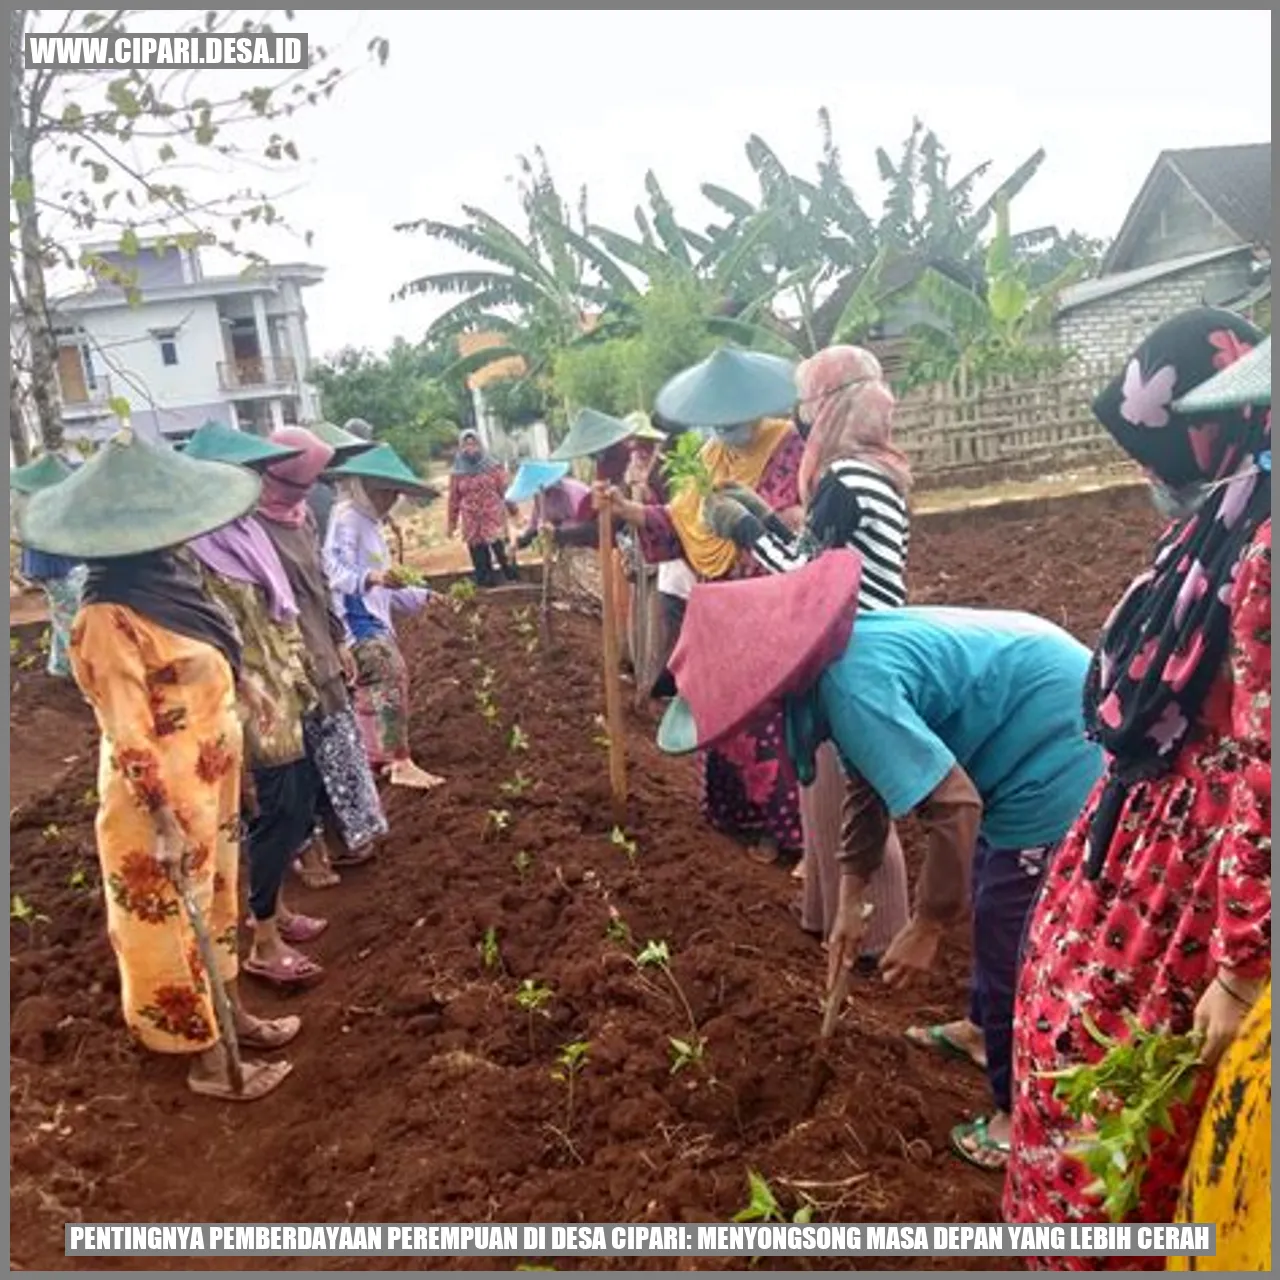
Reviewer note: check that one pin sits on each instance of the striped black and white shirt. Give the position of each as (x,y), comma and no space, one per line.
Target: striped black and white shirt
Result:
(856,506)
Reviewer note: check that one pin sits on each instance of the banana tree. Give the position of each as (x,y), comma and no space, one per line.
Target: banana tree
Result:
(966,335)
(539,291)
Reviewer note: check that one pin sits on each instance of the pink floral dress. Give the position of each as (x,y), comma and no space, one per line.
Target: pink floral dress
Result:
(476,506)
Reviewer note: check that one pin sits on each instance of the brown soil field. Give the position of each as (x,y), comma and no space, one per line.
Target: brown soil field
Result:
(422,1091)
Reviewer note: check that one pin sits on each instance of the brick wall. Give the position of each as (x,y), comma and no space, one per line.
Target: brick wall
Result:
(1107,331)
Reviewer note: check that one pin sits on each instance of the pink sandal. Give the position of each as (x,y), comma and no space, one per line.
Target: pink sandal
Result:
(298,930)
(290,971)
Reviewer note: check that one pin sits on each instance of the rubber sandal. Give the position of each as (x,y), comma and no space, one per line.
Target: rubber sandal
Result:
(271,1033)
(934,1039)
(316,877)
(298,930)
(353,857)
(293,969)
(274,1073)
(990,1154)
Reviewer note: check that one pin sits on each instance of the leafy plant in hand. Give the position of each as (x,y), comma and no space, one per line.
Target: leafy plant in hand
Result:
(1121,1100)
(684,467)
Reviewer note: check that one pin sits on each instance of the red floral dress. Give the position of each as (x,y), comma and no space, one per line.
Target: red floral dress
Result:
(1186,887)
(476,506)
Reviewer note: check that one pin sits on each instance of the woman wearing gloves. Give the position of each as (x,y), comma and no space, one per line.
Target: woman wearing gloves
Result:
(749,790)
(367,591)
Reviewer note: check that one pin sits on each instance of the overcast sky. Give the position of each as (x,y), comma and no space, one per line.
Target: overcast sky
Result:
(611,94)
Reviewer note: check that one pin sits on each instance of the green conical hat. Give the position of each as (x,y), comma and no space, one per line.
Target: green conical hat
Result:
(343,443)
(592,432)
(133,497)
(380,465)
(216,442)
(1247,381)
(45,471)
(728,388)
(642,428)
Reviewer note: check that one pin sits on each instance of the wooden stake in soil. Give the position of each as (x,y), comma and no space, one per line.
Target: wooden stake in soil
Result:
(612,683)
(221,1001)
(544,607)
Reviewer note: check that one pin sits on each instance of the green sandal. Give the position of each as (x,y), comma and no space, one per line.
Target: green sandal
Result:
(989,1154)
(936,1040)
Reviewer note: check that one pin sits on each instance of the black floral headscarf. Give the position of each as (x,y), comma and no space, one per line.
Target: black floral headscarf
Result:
(1166,640)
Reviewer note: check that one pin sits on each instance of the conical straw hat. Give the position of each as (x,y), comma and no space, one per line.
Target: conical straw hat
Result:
(133,497)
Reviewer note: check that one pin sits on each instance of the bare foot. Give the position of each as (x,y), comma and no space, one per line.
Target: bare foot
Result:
(210,1077)
(404,773)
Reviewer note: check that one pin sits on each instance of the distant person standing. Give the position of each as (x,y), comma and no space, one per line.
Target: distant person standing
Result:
(478,509)
(61,579)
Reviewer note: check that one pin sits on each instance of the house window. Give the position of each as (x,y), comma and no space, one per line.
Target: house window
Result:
(168,340)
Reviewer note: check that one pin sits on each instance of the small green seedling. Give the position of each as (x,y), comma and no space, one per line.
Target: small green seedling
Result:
(618,931)
(601,736)
(490,712)
(22,910)
(517,739)
(90,798)
(79,881)
(497,823)
(525,624)
(516,786)
(487,677)
(461,594)
(763,1206)
(51,833)
(569,1063)
(15,646)
(532,996)
(490,954)
(685,1053)
(523,863)
(620,840)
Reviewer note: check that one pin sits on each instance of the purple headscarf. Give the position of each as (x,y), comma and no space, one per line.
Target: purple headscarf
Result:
(243,552)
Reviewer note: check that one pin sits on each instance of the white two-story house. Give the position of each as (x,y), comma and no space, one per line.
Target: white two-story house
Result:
(189,349)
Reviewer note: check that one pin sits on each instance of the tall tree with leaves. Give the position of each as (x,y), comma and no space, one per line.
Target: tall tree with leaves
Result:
(967,337)
(101,153)
(540,291)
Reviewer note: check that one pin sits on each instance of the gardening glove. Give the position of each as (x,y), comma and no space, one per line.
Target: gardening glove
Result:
(727,518)
(759,508)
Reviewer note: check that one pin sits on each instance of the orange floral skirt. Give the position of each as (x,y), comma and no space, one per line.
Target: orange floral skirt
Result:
(163,987)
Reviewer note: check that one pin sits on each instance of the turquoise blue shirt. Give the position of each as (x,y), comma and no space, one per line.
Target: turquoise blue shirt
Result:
(920,690)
